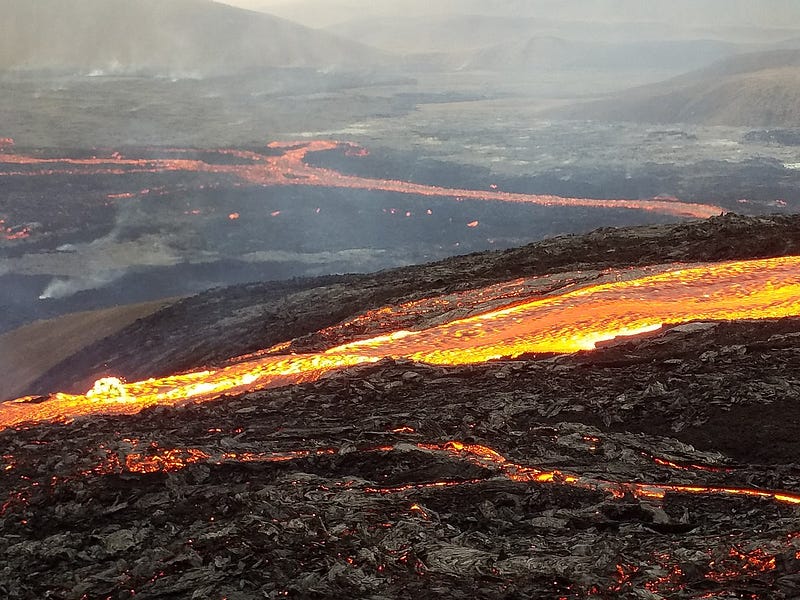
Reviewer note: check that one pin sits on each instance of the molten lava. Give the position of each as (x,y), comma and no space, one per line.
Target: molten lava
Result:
(573,321)
(290,168)
(13,233)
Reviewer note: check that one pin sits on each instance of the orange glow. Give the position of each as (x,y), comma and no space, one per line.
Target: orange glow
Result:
(489,458)
(736,563)
(404,429)
(169,460)
(690,466)
(740,563)
(274,456)
(13,233)
(290,168)
(473,224)
(234,216)
(670,581)
(482,456)
(573,321)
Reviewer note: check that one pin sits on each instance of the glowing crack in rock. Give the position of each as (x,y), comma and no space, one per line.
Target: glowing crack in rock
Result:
(483,456)
(565,323)
(728,561)
(289,168)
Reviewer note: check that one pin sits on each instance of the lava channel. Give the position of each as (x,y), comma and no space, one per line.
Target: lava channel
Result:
(290,168)
(572,321)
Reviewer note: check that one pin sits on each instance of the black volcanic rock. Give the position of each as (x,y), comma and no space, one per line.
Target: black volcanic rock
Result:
(654,467)
(221,324)
(354,486)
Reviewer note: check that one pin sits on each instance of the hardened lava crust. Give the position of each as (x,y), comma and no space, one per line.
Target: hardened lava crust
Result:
(662,465)
(212,327)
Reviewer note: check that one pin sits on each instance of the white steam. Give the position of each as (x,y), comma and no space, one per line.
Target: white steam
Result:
(62,287)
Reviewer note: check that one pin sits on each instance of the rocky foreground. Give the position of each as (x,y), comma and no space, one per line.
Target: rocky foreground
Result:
(663,466)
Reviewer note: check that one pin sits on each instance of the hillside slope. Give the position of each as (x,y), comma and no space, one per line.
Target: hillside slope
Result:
(557,53)
(196,37)
(31,350)
(752,90)
(662,466)
(220,324)
(675,15)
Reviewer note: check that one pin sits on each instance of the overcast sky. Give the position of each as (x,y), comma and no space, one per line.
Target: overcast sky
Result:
(253,4)
(744,13)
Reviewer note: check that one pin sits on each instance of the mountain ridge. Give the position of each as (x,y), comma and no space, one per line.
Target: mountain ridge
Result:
(751,90)
(184,37)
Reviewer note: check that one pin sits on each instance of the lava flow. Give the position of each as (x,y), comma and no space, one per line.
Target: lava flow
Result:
(573,321)
(13,233)
(175,459)
(290,168)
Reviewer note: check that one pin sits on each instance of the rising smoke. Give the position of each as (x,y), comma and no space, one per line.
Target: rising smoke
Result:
(93,265)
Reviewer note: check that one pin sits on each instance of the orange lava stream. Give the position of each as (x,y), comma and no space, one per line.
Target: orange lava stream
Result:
(578,320)
(12,233)
(290,169)
(565,323)
(482,456)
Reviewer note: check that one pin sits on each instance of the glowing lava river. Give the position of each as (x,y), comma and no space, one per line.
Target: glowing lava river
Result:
(569,322)
(408,475)
(285,165)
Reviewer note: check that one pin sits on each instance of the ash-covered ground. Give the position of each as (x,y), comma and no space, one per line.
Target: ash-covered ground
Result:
(663,466)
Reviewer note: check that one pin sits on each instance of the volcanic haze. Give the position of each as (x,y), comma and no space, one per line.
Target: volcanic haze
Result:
(175,38)
(752,90)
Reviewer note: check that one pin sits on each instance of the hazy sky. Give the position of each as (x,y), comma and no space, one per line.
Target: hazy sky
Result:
(254,4)
(743,13)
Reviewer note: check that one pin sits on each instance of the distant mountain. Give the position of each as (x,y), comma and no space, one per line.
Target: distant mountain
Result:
(458,32)
(753,90)
(687,14)
(413,33)
(559,53)
(161,36)
(500,42)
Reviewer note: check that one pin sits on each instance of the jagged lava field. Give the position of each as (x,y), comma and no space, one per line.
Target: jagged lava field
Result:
(599,416)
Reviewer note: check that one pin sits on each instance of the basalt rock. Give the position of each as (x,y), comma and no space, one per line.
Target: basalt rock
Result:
(215,326)
(613,474)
